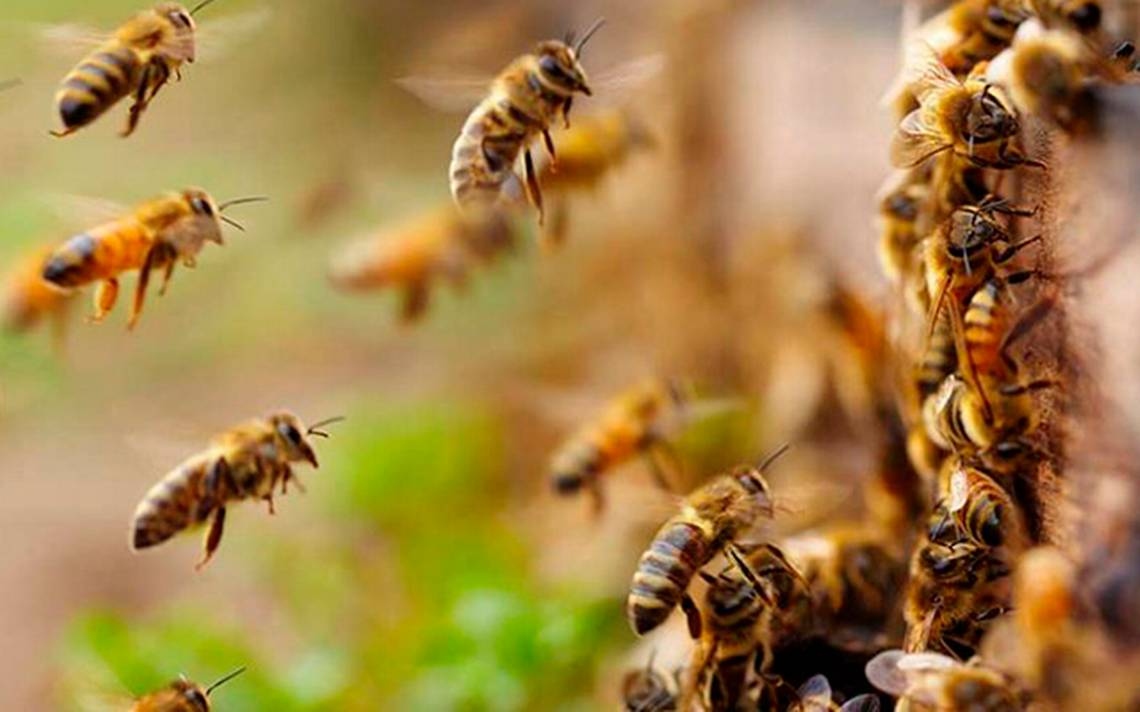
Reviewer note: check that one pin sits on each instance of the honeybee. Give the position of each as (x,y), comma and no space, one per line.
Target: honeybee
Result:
(710,519)
(524,101)
(647,690)
(181,696)
(1084,16)
(137,60)
(971,119)
(633,423)
(900,202)
(972,31)
(247,462)
(593,148)
(28,298)
(934,682)
(441,244)
(157,234)
(975,508)
(815,696)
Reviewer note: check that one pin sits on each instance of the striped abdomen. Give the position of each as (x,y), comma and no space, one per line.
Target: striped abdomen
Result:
(983,339)
(180,500)
(97,83)
(483,157)
(99,254)
(940,358)
(680,549)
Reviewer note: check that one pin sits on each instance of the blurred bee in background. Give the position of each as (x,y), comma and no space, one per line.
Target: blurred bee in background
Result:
(931,681)
(633,424)
(158,234)
(524,101)
(592,149)
(900,201)
(647,690)
(443,244)
(29,298)
(246,462)
(970,119)
(972,31)
(181,696)
(137,60)
(711,518)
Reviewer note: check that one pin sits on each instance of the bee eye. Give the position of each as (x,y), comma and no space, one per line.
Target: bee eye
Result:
(197,699)
(1086,18)
(201,206)
(290,433)
(550,65)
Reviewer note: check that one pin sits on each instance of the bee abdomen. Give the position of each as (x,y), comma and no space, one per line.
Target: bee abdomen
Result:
(664,573)
(70,265)
(96,84)
(169,507)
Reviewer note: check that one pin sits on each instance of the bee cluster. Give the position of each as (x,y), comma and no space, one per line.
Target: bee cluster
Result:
(954,596)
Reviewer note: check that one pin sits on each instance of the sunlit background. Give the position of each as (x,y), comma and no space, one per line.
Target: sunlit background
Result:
(429,566)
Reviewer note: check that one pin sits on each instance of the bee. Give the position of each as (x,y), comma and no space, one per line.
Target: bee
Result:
(138,60)
(157,234)
(900,202)
(523,102)
(595,147)
(443,244)
(976,509)
(1083,16)
(647,690)
(932,681)
(181,696)
(815,696)
(953,594)
(634,423)
(972,31)
(28,298)
(710,519)
(970,119)
(246,462)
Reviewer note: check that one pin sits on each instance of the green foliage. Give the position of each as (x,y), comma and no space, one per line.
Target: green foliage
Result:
(415,595)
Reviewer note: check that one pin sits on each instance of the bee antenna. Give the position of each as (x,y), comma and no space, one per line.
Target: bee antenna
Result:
(767,461)
(240,201)
(231,221)
(588,34)
(313,429)
(240,670)
(199,6)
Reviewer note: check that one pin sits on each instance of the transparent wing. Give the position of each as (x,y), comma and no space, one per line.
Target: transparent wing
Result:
(815,694)
(914,142)
(84,211)
(620,78)
(66,39)
(861,703)
(924,72)
(883,672)
(217,38)
(926,662)
(448,94)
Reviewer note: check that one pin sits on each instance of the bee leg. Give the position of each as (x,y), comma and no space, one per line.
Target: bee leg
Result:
(692,616)
(288,477)
(416,298)
(566,111)
(189,262)
(532,185)
(597,499)
(138,106)
(105,297)
(141,287)
(549,143)
(64,132)
(166,277)
(213,537)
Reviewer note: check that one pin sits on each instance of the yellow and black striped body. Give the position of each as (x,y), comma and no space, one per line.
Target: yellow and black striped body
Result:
(248,462)
(99,82)
(940,358)
(710,518)
(988,518)
(898,231)
(29,298)
(630,424)
(727,646)
(986,321)
(524,101)
(982,29)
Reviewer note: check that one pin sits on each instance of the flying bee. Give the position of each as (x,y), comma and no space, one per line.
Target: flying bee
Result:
(970,119)
(589,151)
(932,681)
(157,234)
(524,101)
(181,696)
(976,509)
(137,60)
(634,423)
(246,462)
(443,244)
(28,298)
(709,521)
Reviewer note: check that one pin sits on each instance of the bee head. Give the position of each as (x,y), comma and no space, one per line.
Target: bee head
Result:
(183,26)
(195,696)
(203,205)
(559,68)
(988,118)
(292,436)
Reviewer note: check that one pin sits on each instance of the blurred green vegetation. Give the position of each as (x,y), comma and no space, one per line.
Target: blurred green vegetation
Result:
(415,595)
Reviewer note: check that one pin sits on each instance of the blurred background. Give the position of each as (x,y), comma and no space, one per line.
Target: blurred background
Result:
(429,566)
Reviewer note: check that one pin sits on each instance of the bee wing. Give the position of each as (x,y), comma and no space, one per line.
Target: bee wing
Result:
(621,78)
(84,211)
(452,95)
(913,142)
(63,39)
(883,672)
(815,694)
(861,703)
(924,72)
(217,38)
(958,490)
(926,662)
